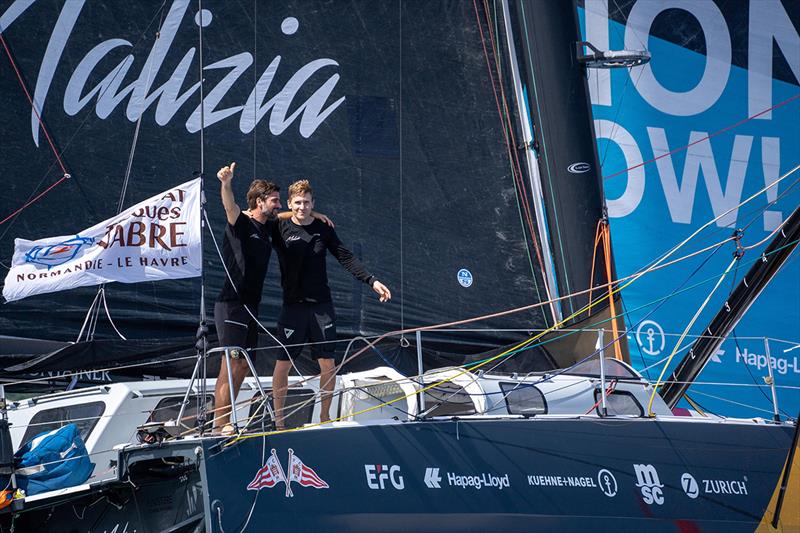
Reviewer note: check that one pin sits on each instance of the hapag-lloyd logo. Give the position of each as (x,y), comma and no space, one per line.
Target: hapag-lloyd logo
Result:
(478,481)
(114,88)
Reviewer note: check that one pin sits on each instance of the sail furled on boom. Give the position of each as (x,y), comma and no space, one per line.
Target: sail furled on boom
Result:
(390,109)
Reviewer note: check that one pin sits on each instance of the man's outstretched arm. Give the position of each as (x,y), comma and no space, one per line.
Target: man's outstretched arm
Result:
(232,210)
(356,268)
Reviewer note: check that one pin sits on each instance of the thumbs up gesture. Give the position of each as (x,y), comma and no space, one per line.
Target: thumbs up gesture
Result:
(225,174)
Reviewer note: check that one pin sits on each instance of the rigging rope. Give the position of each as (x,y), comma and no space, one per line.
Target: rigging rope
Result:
(120,202)
(33,107)
(517,348)
(611,303)
(685,331)
(75,133)
(65,175)
(508,135)
(707,137)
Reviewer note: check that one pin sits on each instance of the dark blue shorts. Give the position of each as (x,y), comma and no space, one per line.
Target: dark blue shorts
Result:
(235,326)
(307,322)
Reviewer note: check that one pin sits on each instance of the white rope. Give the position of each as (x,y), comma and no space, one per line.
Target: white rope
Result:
(108,315)
(686,331)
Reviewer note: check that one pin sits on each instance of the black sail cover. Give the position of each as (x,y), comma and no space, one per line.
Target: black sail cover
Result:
(391,109)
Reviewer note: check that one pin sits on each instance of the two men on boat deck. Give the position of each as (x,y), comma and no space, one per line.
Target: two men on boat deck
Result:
(301,239)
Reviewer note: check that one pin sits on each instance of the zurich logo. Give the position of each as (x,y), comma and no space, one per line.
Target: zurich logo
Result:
(579,168)
(464,277)
(689,484)
(57,254)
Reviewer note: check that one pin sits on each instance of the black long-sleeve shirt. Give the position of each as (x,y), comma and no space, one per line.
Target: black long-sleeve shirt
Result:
(302,252)
(246,250)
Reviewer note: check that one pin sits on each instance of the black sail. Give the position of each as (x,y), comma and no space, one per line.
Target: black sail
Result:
(389,108)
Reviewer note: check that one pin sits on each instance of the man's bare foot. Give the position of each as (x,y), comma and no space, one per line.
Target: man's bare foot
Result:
(225,431)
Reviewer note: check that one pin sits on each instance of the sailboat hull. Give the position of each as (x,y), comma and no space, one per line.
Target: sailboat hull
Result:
(544,473)
(520,475)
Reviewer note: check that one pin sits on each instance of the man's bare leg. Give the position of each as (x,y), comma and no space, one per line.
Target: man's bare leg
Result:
(327,381)
(280,382)
(222,391)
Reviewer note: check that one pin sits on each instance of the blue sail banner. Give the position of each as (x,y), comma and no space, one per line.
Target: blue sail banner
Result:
(689,138)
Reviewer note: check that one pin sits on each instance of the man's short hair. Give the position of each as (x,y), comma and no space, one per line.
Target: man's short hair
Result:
(300,188)
(260,189)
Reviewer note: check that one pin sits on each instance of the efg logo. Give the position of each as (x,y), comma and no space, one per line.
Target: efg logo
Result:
(579,168)
(378,475)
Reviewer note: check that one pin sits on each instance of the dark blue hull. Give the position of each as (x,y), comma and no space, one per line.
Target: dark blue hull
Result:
(514,475)
(540,474)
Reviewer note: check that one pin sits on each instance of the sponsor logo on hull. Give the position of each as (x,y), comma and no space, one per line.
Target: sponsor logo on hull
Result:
(735,487)
(483,480)
(432,478)
(272,473)
(381,476)
(560,481)
(648,482)
(608,483)
(605,481)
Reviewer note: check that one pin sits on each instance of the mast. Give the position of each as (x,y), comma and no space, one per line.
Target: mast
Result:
(740,300)
(554,79)
(532,161)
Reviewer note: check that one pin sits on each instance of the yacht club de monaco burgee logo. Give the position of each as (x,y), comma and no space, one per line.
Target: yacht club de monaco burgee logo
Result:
(272,473)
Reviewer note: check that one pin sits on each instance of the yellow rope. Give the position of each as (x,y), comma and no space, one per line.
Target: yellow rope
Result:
(683,335)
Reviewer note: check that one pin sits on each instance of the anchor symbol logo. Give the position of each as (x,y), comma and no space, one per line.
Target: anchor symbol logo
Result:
(654,340)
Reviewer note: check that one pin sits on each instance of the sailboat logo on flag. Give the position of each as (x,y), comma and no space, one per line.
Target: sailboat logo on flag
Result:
(272,473)
(57,254)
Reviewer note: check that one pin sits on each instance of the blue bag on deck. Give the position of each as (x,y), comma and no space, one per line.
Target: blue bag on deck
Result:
(53,460)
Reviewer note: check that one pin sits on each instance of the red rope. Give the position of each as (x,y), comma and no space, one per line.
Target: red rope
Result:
(9,217)
(795,97)
(609,391)
(47,135)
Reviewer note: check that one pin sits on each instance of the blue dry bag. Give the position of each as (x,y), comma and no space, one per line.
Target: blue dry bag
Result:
(53,460)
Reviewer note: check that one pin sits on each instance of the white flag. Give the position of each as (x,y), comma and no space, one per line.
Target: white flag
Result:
(158,238)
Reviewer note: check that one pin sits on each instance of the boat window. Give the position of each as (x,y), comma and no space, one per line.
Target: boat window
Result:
(84,416)
(523,399)
(298,407)
(613,369)
(168,409)
(448,399)
(620,403)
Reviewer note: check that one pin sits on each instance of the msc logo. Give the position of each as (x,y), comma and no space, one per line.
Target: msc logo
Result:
(57,254)
(378,475)
(647,480)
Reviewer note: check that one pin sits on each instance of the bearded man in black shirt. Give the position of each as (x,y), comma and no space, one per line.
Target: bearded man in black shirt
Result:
(307,314)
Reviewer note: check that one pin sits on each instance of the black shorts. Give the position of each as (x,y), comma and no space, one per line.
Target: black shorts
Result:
(235,326)
(307,322)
